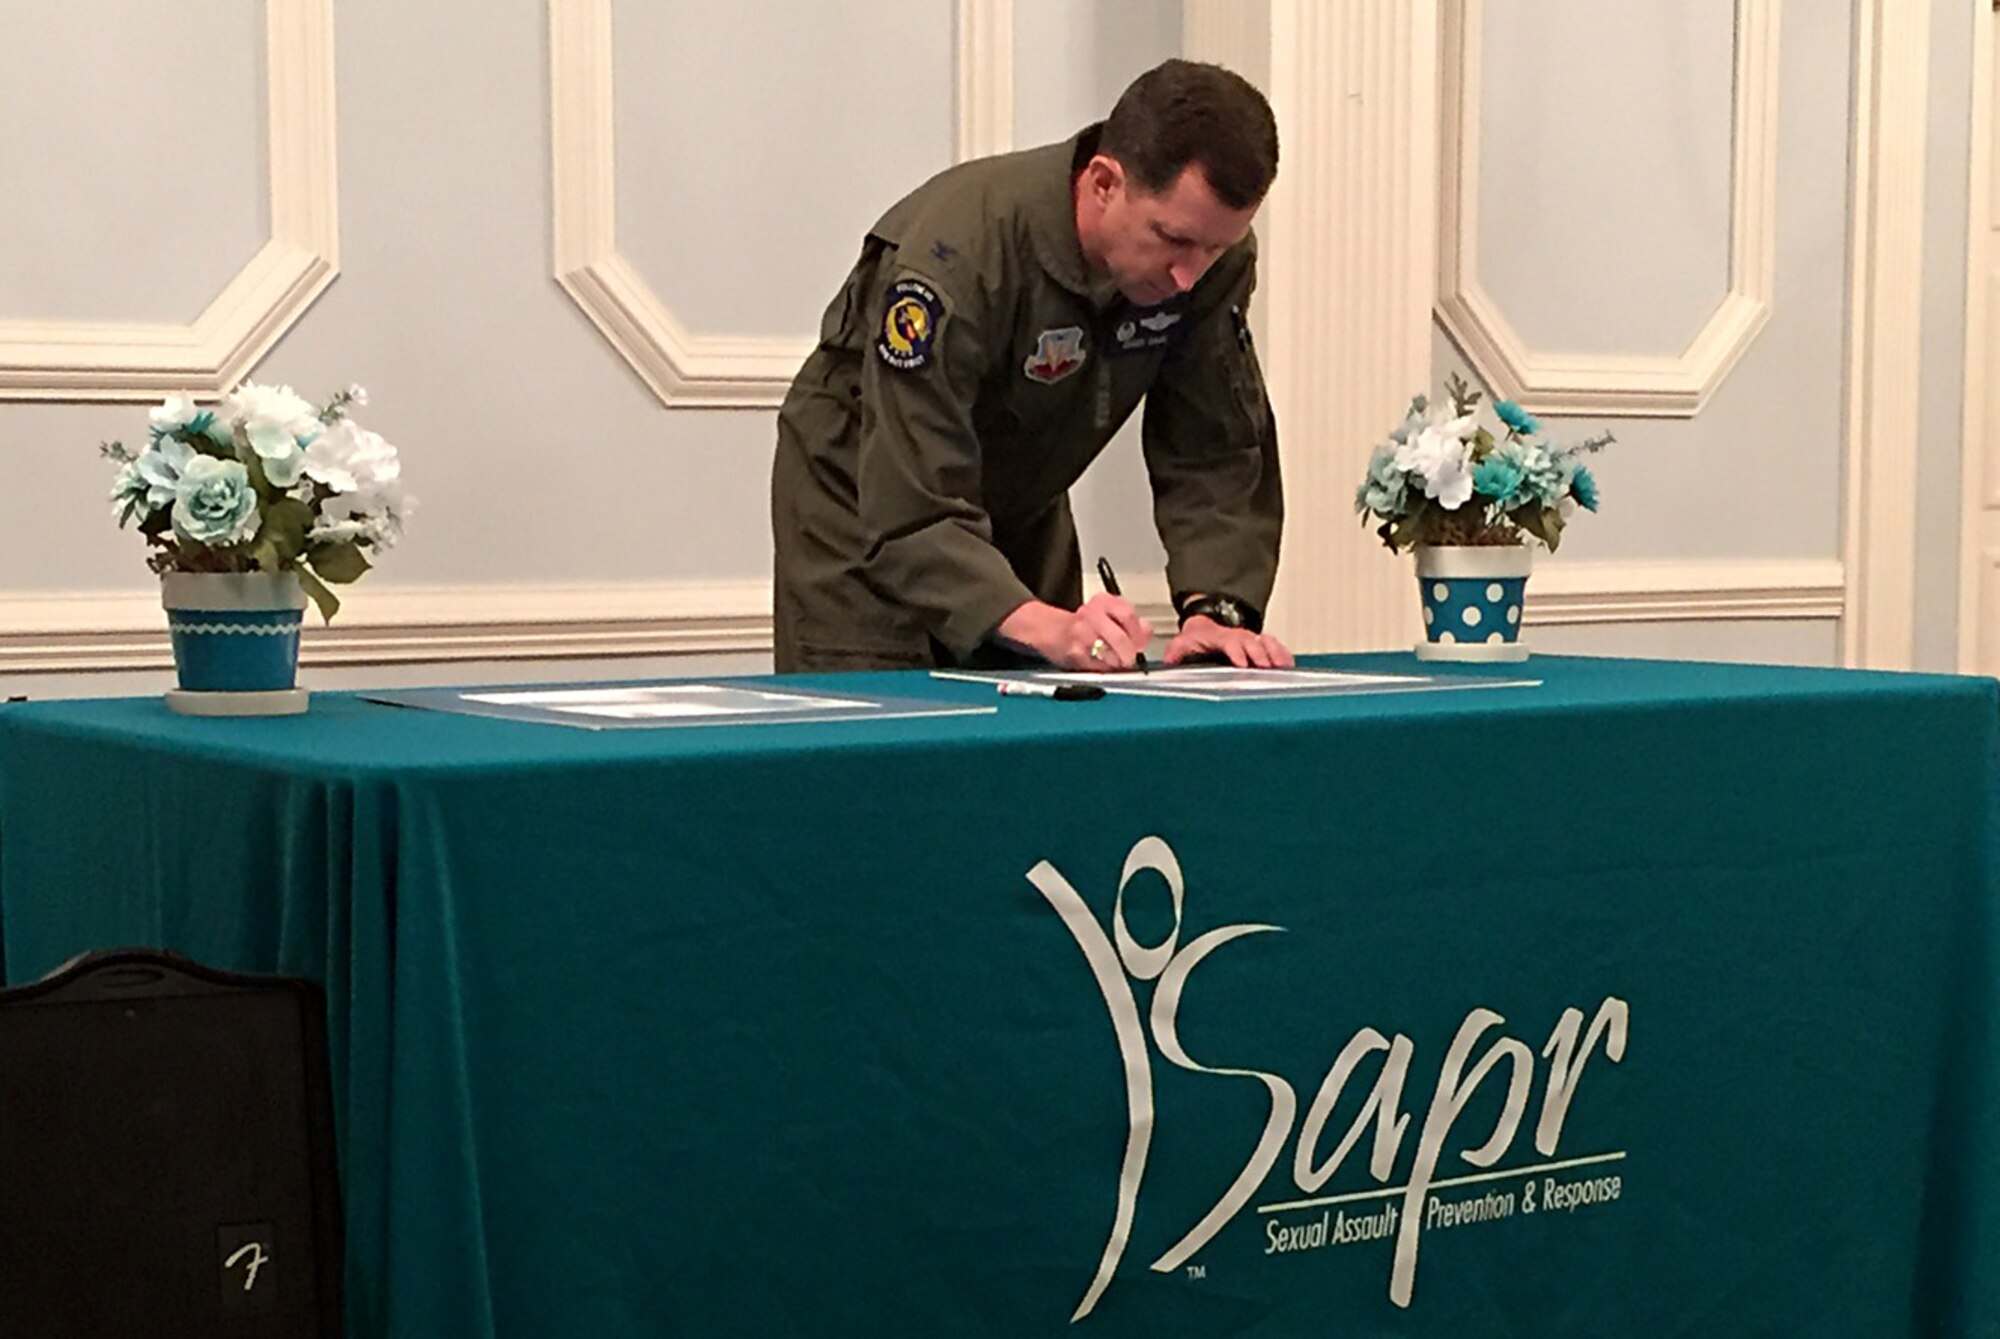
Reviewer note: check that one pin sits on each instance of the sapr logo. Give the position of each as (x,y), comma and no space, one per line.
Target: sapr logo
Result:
(1117,960)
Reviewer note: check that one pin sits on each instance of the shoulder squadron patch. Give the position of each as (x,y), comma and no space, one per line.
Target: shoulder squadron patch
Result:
(910,325)
(1057,354)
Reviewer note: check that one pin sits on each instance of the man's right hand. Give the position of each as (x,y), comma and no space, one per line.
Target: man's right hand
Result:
(1106,624)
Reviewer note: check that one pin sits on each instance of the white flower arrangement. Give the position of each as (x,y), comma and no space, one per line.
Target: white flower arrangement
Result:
(263,481)
(1441,479)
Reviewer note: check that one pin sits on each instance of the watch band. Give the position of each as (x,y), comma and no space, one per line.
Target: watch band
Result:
(1221,607)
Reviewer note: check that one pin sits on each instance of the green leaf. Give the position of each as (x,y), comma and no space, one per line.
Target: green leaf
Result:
(205,443)
(328,602)
(285,524)
(342,562)
(1535,519)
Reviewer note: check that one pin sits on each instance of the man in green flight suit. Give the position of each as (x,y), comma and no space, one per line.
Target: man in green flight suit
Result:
(1002,322)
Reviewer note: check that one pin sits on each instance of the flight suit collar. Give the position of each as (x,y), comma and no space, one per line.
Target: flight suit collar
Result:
(1052,219)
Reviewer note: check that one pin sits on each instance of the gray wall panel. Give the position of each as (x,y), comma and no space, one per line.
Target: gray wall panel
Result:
(132,156)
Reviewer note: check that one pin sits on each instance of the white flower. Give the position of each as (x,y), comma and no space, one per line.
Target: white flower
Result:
(275,420)
(176,411)
(284,468)
(1439,459)
(348,459)
(1461,426)
(339,532)
(128,493)
(1452,487)
(372,517)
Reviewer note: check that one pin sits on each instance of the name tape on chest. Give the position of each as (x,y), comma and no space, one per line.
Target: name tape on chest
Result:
(1145,330)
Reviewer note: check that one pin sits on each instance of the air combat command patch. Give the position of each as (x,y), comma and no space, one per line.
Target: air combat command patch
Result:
(910,325)
(1057,354)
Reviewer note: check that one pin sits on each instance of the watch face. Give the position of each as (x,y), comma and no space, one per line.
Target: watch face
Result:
(1227,612)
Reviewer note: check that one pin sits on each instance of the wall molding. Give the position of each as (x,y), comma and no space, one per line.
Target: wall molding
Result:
(120,630)
(1885,331)
(125,630)
(1607,384)
(1979,470)
(1561,592)
(110,361)
(687,368)
(1979,646)
(985,94)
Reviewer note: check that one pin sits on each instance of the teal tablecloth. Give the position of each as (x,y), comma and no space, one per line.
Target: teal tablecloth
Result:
(840,1030)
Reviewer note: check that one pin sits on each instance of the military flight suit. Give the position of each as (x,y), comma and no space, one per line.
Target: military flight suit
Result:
(966,374)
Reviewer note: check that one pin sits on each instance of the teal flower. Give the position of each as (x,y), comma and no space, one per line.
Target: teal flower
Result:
(1412,422)
(1517,418)
(1383,491)
(1498,476)
(1583,487)
(215,503)
(1549,474)
(160,467)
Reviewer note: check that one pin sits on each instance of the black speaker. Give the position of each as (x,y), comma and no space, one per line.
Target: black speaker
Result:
(166,1155)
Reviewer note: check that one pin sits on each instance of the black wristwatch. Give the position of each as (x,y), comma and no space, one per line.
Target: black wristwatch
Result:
(1224,609)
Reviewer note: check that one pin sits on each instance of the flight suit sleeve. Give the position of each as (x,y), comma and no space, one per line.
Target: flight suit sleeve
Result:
(919,484)
(1211,447)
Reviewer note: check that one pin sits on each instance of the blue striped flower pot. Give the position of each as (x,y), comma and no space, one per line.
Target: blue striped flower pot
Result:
(1473,598)
(236,641)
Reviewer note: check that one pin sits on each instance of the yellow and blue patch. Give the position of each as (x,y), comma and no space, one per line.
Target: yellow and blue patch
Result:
(910,326)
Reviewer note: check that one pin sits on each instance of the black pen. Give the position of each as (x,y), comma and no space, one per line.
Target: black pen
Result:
(1110,581)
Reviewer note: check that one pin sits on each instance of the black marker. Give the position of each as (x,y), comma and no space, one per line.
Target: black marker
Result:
(1110,581)
(1061,692)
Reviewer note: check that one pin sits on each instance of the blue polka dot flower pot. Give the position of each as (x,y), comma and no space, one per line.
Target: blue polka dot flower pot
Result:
(1473,599)
(236,642)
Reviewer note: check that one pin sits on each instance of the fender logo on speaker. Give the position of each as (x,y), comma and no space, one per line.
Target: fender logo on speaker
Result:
(245,1249)
(255,1250)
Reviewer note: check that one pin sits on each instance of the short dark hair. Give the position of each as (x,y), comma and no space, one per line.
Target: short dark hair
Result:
(1183,112)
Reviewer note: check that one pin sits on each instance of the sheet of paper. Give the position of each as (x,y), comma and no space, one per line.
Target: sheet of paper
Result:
(1227,683)
(663,701)
(677,703)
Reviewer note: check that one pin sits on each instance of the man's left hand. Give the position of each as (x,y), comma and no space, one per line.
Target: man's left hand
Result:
(1203,636)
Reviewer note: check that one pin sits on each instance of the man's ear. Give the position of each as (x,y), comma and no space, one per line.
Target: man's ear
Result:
(1104,175)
